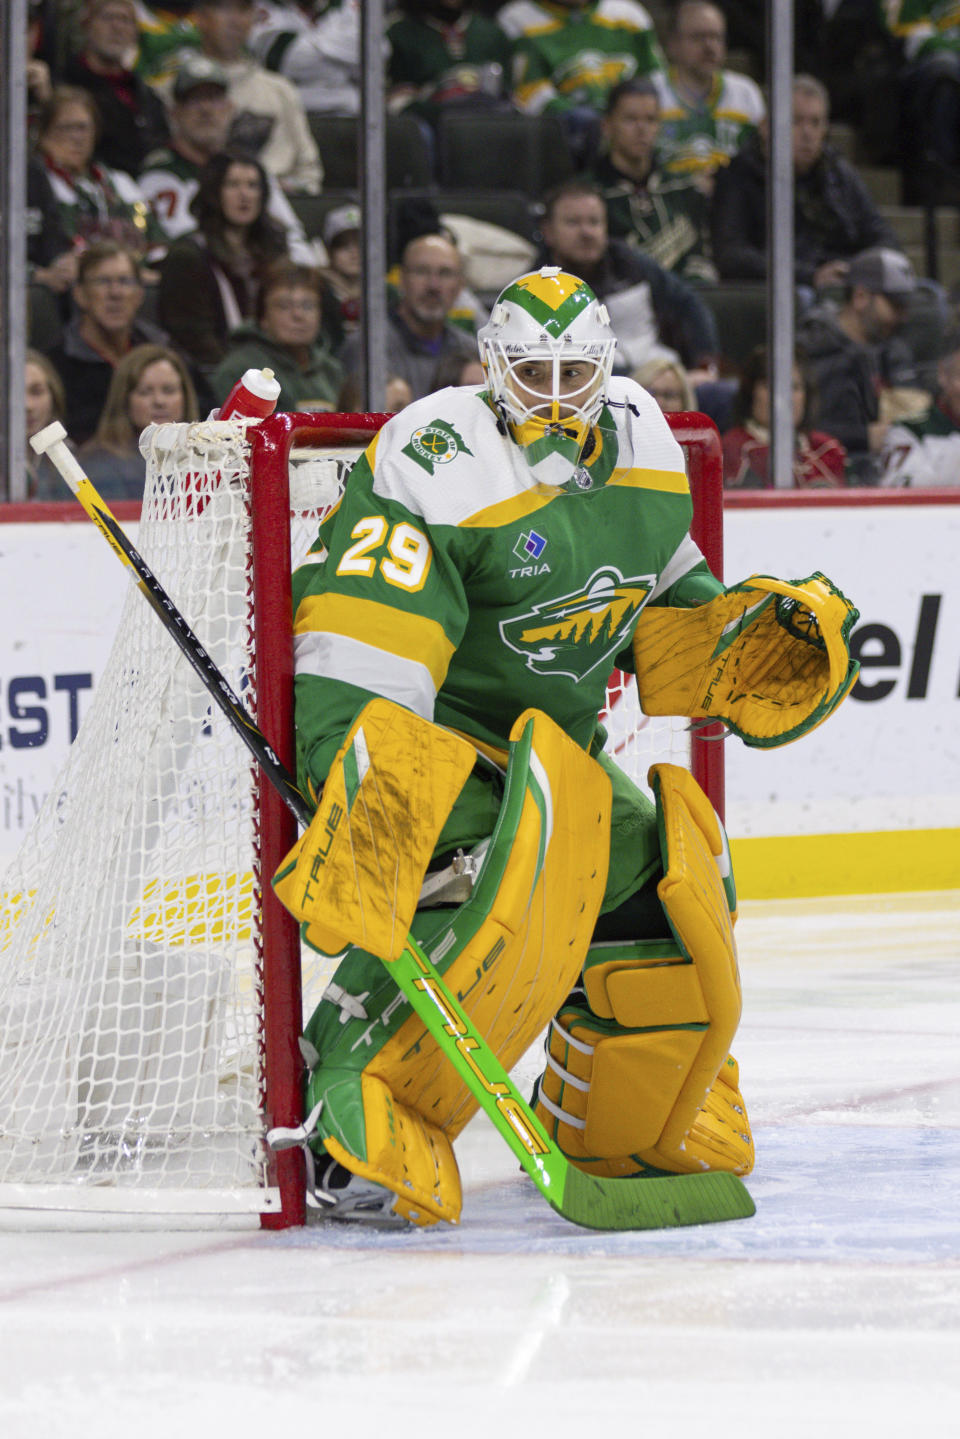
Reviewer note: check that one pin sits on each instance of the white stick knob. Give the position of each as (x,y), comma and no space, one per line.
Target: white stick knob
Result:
(51,440)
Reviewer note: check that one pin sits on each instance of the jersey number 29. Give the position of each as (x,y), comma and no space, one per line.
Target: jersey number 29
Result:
(407,561)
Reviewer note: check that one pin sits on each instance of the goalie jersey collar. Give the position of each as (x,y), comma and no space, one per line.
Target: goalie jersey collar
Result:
(446,456)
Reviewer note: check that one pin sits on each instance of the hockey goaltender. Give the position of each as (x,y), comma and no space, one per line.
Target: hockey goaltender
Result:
(496,552)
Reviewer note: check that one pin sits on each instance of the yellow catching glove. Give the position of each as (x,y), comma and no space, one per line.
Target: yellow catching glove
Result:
(769,658)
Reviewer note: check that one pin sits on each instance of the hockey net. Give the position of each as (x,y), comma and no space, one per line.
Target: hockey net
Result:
(152,989)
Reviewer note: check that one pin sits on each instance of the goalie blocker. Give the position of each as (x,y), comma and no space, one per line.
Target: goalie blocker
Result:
(658,1092)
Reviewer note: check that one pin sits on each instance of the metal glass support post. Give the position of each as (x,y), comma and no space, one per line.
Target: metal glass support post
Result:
(13,249)
(781,293)
(373,198)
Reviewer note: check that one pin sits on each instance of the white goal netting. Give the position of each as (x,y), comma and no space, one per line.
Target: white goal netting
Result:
(131,995)
(131,1051)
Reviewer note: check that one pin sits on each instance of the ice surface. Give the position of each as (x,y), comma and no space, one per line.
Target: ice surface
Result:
(835,1311)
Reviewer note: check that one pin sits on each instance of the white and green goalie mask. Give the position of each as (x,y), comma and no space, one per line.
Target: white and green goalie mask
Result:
(547,351)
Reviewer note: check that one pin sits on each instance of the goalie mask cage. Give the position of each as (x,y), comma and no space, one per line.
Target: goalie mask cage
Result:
(152,989)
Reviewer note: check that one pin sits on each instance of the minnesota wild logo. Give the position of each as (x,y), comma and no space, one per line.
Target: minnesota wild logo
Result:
(435,444)
(576,633)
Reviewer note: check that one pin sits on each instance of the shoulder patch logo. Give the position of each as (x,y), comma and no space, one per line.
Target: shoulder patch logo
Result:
(435,444)
(576,633)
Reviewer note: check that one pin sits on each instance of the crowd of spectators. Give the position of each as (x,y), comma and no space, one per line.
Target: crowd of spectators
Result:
(179,230)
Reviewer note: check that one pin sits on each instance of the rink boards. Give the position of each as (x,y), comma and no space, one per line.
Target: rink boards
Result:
(869,802)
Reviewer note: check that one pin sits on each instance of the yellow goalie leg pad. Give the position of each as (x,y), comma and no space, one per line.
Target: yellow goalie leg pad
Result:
(405,1153)
(601,1115)
(515,948)
(388,1101)
(639,1079)
(355,876)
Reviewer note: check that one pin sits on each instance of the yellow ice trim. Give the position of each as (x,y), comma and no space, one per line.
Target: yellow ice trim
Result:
(408,636)
(874,862)
(199,909)
(14,906)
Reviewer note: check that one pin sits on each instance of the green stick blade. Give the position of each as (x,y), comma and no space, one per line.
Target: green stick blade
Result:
(668,1203)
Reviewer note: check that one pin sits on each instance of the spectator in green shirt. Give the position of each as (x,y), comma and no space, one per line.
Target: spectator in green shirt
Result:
(285,338)
(443,54)
(662,215)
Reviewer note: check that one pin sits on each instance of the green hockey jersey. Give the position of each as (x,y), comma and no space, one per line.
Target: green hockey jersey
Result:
(565,57)
(695,139)
(450,580)
(924,25)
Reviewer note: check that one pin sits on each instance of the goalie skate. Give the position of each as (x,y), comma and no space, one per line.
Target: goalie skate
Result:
(334,1193)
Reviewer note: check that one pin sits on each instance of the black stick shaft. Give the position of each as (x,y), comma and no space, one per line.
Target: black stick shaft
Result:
(52,441)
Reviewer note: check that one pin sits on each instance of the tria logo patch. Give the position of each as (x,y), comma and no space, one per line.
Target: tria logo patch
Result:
(530,546)
(435,444)
(576,633)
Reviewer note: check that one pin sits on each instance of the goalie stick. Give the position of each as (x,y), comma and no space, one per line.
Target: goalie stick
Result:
(589,1200)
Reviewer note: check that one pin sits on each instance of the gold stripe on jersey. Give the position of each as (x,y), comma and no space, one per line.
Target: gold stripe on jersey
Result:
(611,22)
(408,636)
(518,507)
(370,453)
(673,482)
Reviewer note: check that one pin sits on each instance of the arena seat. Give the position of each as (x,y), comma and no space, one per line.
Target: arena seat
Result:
(44,318)
(740,310)
(502,151)
(511,209)
(338,139)
(312,210)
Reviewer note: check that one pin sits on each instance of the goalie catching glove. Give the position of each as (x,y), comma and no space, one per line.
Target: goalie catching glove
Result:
(769,658)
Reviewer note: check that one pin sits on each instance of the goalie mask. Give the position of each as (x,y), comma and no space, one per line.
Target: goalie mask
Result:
(547,352)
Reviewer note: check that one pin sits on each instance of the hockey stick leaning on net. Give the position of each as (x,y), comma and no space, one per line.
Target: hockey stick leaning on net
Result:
(590,1200)
(52,441)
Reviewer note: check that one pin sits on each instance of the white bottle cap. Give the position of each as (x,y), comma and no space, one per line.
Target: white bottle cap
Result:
(262,383)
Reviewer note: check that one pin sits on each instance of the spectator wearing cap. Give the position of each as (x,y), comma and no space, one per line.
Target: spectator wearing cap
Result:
(864,375)
(285,338)
(834,214)
(133,120)
(344,272)
(269,117)
(925,450)
(201,116)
